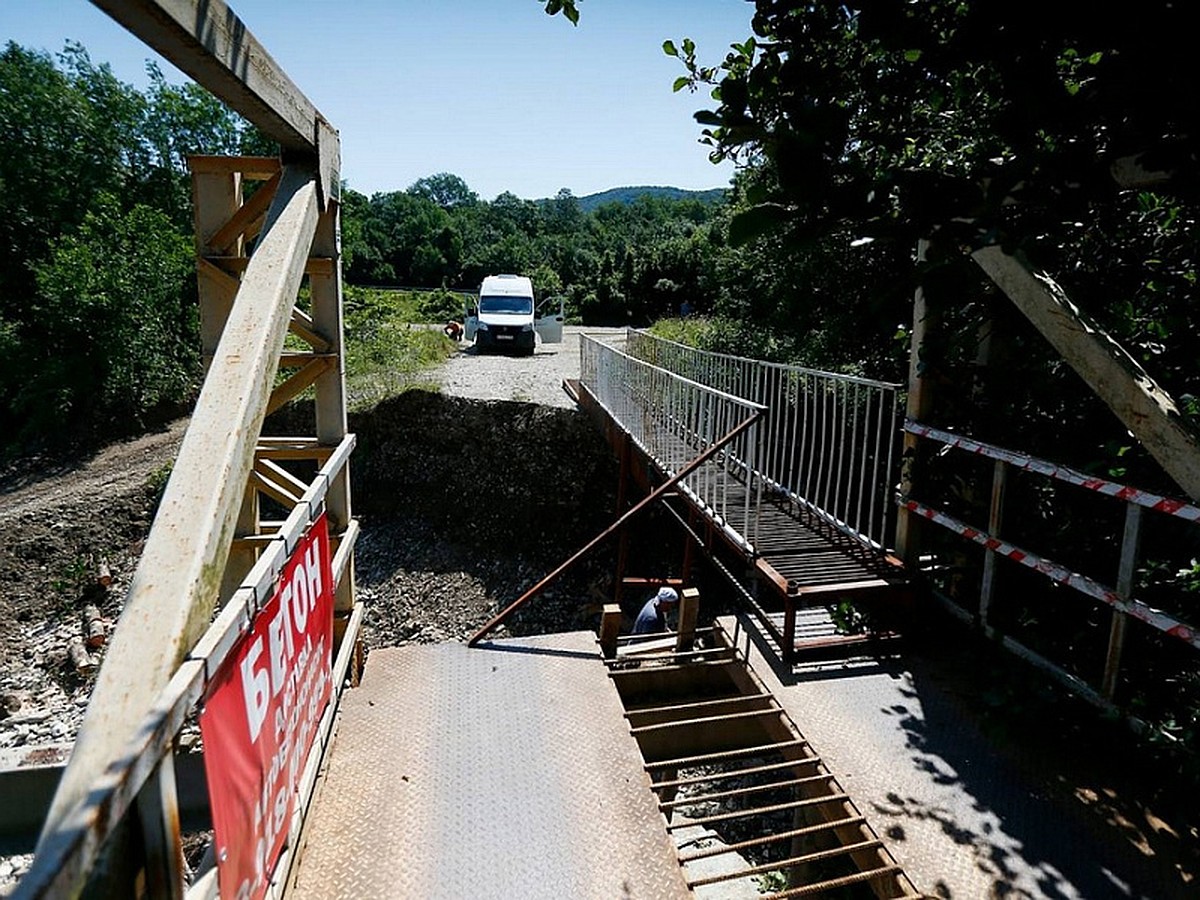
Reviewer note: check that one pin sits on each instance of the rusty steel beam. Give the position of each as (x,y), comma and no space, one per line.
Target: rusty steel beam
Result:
(616,526)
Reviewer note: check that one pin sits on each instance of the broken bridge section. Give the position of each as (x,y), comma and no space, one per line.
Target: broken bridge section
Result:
(802,499)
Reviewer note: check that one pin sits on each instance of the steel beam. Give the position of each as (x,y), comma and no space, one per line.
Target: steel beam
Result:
(205,39)
(175,586)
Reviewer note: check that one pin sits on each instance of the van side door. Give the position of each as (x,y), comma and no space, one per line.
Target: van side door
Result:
(549,325)
(470,316)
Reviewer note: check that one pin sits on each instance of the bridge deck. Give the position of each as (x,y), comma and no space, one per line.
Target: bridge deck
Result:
(504,771)
(968,802)
(803,558)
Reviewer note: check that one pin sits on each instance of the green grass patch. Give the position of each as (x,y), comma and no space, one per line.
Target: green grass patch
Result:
(386,352)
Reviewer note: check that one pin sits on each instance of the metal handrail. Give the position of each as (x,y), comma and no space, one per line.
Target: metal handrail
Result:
(829,441)
(1119,597)
(672,419)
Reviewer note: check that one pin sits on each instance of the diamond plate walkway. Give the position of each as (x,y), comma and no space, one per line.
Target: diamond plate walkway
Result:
(504,771)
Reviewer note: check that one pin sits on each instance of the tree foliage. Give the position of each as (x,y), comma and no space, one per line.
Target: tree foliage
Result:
(917,118)
(620,263)
(97,296)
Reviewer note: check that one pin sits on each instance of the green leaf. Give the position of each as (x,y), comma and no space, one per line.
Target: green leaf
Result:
(707,117)
(680,83)
(670,49)
(912,55)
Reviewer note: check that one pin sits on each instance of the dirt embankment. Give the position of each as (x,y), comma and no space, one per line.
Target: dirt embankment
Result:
(464,504)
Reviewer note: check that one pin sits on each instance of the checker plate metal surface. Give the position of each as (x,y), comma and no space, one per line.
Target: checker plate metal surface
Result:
(965,816)
(504,771)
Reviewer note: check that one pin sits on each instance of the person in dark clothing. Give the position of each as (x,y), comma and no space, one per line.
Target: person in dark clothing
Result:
(653,617)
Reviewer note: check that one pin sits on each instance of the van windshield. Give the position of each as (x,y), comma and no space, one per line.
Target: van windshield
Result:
(500,303)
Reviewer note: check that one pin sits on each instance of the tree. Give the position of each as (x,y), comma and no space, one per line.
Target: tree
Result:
(67,136)
(117,307)
(89,164)
(446,190)
(933,118)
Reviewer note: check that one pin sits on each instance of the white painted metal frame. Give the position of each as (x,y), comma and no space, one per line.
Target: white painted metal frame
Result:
(673,419)
(829,441)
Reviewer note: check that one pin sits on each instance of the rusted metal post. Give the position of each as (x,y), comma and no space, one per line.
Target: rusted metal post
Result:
(1130,545)
(920,402)
(610,627)
(158,812)
(995,520)
(788,650)
(689,607)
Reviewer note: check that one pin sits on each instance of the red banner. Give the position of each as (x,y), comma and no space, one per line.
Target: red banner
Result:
(260,717)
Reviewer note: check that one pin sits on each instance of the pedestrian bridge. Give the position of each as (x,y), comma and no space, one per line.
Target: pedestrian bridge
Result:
(797,489)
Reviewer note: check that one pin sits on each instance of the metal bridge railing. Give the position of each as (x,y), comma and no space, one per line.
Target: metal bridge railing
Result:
(1119,597)
(673,419)
(829,441)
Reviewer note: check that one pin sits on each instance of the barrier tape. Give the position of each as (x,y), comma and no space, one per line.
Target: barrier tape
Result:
(1164,622)
(1171,507)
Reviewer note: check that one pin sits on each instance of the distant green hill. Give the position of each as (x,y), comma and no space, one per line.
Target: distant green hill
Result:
(629,194)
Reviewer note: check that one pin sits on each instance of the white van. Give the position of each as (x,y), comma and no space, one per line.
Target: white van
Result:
(504,317)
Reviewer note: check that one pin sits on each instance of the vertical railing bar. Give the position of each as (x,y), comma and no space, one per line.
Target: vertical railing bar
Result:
(768,390)
(875,489)
(995,522)
(1130,545)
(812,424)
(706,471)
(862,461)
(757,514)
(751,461)
(793,405)
(891,436)
(778,420)
(785,419)
(826,448)
(838,513)
(721,468)
(818,442)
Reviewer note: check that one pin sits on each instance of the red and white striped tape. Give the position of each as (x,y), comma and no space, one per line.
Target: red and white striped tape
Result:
(1164,622)
(1167,505)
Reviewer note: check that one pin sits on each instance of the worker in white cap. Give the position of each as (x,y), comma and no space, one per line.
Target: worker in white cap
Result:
(653,617)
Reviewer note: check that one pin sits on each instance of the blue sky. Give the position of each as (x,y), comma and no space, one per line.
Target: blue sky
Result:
(494,91)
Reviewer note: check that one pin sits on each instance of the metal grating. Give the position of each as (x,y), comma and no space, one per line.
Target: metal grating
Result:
(752,807)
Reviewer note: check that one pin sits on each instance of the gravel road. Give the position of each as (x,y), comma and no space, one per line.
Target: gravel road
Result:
(529,379)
